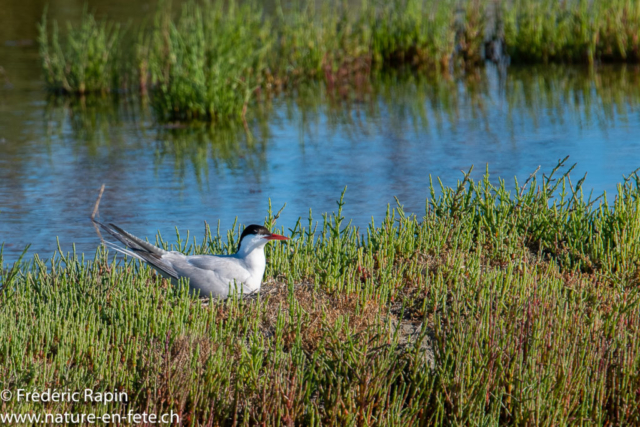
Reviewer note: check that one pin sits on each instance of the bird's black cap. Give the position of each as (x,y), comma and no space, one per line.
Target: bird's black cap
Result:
(254,229)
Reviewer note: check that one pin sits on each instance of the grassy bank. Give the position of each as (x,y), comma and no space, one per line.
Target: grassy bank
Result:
(209,59)
(492,307)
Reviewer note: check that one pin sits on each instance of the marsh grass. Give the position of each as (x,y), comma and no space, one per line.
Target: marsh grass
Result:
(209,60)
(82,60)
(416,32)
(619,31)
(581,31)
(528,300)
(203,65)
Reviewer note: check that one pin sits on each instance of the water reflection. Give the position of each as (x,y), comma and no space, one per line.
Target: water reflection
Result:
(95,126)
(218,150)
(578,96)
(381,138)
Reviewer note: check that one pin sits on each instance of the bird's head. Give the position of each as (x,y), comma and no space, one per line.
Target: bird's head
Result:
(256,236)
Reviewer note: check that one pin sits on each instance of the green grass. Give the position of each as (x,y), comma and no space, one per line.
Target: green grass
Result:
(619,31)
(416,32)
(203,65)
(84,59)
(579,31)
(210,59)
(529,300)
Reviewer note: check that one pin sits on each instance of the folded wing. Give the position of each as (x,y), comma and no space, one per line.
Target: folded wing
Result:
(213,274)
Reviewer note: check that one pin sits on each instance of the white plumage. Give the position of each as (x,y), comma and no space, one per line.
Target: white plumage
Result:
(207,275)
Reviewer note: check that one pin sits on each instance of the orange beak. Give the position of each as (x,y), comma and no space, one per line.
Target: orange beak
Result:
(276,237)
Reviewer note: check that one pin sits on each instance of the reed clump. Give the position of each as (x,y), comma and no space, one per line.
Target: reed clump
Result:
(416,32)
(207,61)
(210,59)
(495,306)
(619,31)
(580,31)
(85,59)
(205,64)
(326,41)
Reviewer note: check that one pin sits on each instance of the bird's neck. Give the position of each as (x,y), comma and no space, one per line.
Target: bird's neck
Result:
(254,259)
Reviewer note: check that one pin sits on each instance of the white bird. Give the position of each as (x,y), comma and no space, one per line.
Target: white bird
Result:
(207,275)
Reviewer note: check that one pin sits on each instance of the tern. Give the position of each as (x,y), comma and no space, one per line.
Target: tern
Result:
(207,275)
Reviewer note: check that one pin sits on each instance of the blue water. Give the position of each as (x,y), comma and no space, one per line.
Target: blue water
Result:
(54,155)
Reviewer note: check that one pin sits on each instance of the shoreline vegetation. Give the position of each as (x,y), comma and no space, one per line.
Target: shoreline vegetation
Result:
(210,59)
(493,307)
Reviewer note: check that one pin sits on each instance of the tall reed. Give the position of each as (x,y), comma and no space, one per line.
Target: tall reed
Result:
(84,59)
(415,31)
(209,61)
(206,63)
(580,31)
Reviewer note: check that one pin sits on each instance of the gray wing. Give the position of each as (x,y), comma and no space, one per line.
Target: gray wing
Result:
(209,274)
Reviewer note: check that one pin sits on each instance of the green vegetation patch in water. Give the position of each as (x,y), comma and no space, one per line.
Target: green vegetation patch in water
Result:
(577,31)
(85,59)
(204,65)
(211,58)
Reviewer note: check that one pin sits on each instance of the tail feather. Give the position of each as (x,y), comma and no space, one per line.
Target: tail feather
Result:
(123,251)
(140,249)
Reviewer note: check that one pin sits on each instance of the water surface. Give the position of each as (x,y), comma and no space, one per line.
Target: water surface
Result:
(381,141)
